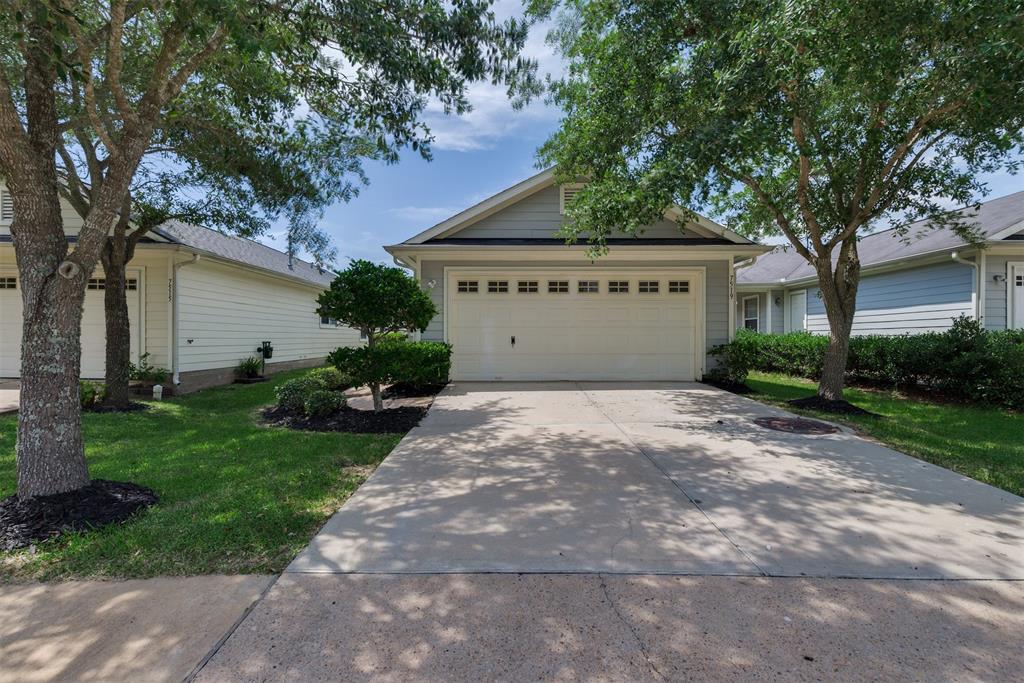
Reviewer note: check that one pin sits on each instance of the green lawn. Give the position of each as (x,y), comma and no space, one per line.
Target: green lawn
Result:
(235,497)
(984,443)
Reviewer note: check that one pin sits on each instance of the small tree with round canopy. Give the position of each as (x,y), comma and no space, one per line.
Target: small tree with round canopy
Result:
(376,299)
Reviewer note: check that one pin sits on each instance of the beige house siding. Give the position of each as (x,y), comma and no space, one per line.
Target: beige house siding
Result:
(538,216)
(225,311)
(716,305)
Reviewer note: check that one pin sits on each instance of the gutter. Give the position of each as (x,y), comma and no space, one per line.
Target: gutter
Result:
(175,315)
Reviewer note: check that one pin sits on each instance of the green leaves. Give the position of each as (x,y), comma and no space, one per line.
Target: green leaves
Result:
(377,299)
(891,107)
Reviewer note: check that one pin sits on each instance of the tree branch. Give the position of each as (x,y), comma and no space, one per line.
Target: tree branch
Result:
(780,217)
(115,61)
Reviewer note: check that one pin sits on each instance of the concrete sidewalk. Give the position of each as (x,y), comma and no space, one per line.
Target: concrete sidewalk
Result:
(501,627)
(150,630)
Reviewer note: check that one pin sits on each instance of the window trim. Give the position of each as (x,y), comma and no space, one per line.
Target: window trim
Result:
(757,316)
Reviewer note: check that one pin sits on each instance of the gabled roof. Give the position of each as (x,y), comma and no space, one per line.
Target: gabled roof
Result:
(546,178)
(995,220)
(241,250)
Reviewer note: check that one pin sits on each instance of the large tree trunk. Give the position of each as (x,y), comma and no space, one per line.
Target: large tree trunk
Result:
(839,292)
(118,326)
(50,455)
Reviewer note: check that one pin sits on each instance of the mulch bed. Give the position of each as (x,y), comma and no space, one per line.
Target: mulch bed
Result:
(733,387)
(388,421)
(133,407)
(406,390)
(98,504)
(826,406)
(796,425)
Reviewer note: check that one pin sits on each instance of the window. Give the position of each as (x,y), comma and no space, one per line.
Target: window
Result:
(1020,280)
(648,286)
(558,286)
(750,312)
(618,286)
(469,286)
(327,322)
(8,283)
(99,283)
(567,193)
(497,286)
(527,287)
(587,287)
(6,206)
(678,286)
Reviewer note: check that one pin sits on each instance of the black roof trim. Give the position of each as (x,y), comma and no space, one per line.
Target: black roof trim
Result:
(615,241)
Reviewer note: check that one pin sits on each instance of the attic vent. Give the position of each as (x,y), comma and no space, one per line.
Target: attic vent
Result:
(6,206)
(568,193)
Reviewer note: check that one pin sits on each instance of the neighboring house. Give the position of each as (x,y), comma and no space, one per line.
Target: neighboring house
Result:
(198,302)
(516,303)
(918,283)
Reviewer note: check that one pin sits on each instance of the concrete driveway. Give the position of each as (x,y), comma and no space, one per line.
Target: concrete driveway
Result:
(10,392)
(657,478)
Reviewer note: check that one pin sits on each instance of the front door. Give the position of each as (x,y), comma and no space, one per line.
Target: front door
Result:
(797,312)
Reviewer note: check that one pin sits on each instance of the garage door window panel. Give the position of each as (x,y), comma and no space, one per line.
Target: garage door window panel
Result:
(468,286)
(648,286)
(679,287)
(588,287)
(558,286)
(8,283)
(527,286)
(497,287)
(618,286)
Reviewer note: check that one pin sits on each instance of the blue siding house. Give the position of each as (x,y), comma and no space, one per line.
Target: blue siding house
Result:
(916,283)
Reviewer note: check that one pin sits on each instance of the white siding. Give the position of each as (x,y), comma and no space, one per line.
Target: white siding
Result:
(72,222)
(226,311)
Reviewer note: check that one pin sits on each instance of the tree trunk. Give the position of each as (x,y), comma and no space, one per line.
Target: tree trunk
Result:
(50,454)
(378,402)
(839,292)
(118,326)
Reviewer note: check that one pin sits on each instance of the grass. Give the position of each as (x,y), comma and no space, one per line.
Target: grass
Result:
(235,497)
(986,444)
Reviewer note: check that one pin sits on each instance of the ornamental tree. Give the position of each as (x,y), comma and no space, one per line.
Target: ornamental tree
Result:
(224,96)
(376,300)
(816,121)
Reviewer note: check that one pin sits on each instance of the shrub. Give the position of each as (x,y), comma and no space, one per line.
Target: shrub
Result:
(292,394)
(333,378)
(145,372)
(323,402)
(249,367)
(418,363)
(91,394)
(965,362)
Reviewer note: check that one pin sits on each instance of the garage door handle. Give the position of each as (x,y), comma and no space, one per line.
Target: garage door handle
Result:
(513,340)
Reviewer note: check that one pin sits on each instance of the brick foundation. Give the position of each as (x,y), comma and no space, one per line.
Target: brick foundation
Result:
(204,379)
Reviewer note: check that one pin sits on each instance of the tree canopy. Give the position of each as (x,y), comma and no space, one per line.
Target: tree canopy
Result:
(814,120)
(377,299)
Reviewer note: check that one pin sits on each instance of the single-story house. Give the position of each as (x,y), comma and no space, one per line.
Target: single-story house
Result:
(912,284)
(198,301)
(517,303)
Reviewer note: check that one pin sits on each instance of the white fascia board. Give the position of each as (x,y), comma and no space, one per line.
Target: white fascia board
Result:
(536,183)
(554,252)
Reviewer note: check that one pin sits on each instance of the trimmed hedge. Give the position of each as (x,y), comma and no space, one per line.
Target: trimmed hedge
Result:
(965,362)
(418,363)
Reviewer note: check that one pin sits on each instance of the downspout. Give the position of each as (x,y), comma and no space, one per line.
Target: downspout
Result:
(975,287)
(175,315)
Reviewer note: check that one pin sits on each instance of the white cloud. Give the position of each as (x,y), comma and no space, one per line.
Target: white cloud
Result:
(492,116)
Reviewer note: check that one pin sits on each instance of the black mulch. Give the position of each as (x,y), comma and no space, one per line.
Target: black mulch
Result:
(839,407)
(733,387)
(406,390)
(388,421)
(133,407)
(796,425)
(99,503)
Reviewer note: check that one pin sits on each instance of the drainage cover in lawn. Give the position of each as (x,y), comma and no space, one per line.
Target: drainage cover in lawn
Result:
(795,425)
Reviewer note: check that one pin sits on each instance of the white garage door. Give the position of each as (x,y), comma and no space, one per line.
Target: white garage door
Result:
(592,325)
(93,328)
